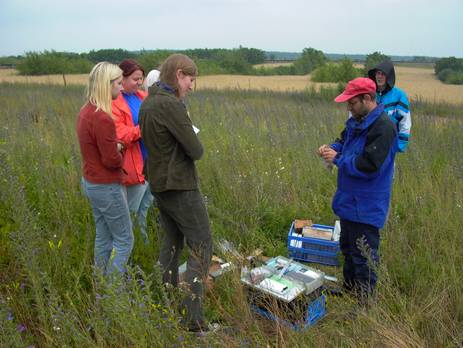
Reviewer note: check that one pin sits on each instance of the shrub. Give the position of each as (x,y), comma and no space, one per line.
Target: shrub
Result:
(336,72)
(109,55)
(374,59)
(152,60)
(452,63)
(309,60)
(52,62)
(450,70)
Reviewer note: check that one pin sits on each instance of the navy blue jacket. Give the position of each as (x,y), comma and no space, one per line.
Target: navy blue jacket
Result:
(365,161)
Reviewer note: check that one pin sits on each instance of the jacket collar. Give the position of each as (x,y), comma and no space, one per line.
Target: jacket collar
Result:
(122,105)
(163,89)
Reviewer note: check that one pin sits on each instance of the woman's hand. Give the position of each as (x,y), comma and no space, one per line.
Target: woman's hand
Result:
(120,147)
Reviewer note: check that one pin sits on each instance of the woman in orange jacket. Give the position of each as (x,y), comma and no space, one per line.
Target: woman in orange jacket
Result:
(125,109)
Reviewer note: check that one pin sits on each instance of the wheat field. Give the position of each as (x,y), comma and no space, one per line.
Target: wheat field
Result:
(419,83)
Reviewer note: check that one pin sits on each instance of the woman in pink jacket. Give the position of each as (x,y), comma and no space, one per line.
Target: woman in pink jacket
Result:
(125,109)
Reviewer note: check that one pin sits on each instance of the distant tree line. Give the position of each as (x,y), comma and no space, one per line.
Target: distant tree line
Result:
(210,61)
(240,60)
(450,70)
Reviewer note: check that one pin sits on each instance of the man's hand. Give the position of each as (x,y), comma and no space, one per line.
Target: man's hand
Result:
(328,154)
(321,149)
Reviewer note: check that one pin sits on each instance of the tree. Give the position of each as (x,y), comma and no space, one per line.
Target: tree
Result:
(309,60)
(152,60)
(450,70)
(234,63)
(52,62)
(374,59)
(451,63)
(342,71)
(252,55)
(109,55)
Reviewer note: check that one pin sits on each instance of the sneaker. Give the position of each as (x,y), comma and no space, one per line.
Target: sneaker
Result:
(206,330)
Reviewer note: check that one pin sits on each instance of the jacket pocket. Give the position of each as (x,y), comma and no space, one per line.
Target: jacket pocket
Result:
(345,206)
(372,208)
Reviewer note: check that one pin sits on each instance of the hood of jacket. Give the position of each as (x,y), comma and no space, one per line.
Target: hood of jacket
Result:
(387,68)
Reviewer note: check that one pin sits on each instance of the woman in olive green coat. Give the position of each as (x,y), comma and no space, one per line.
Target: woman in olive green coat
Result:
(173,147)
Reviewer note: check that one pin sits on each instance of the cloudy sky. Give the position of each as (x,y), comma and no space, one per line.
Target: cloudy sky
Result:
(394,27)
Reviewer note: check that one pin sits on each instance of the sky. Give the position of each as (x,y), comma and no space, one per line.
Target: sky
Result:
(393,27)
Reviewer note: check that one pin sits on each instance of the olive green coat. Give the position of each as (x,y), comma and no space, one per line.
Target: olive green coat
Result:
(172,145)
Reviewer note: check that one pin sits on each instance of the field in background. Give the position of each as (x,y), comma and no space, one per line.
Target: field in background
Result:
(418,82)
(259,172)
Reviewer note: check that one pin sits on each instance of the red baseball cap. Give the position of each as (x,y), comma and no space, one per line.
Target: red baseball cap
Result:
(360,85)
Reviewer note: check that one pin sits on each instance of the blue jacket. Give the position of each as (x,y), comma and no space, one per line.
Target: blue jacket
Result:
(365,161)
(395,103)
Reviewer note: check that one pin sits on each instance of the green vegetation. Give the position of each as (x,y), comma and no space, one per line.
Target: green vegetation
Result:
(10,61)
(109,55)
(450,70)
(210,61)
(259,172)
(374,59)
(52,62)
(343,71)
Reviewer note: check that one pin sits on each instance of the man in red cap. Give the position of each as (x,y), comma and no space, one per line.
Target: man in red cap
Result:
(364,156)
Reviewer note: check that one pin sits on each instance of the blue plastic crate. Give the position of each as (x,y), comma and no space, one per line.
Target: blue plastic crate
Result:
(315,311)
(313,249)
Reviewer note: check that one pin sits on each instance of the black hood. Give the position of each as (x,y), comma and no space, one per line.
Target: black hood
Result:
(387,68)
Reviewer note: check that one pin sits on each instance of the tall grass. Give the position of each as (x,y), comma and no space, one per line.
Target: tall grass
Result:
(259,172)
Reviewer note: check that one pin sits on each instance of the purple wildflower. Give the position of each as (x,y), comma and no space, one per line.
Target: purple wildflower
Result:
(21,327)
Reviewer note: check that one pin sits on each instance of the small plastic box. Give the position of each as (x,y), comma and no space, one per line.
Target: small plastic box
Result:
(311,249)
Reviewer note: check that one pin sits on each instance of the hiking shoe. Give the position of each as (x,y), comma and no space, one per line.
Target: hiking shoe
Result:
(206,330)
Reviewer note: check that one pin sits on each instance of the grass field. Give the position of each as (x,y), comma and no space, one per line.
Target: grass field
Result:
(259,172)
(419,83)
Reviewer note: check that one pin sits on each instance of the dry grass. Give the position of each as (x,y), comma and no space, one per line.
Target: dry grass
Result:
(11,75)
(417,82)
(272,65)
(274,83)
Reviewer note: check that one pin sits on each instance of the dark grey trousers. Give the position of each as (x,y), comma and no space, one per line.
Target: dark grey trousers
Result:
(184,218)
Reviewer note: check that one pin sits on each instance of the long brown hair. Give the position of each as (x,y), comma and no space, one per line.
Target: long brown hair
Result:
(173,63)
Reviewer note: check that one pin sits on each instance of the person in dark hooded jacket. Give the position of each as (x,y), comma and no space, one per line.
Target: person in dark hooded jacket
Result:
(395,100)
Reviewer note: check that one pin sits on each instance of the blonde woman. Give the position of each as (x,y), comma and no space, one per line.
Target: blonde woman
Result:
(102,170)
(173,147)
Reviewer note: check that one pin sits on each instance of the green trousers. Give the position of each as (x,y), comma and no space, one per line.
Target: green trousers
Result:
(184,218)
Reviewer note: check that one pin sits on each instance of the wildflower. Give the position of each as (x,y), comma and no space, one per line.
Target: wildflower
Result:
(9,317)
(21,327)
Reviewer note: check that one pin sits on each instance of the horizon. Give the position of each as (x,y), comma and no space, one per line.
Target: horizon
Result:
(212,48)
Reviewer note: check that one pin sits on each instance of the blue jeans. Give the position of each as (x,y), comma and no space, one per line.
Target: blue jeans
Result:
(114,236)
(139,198)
